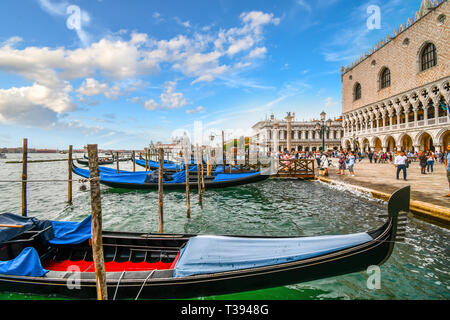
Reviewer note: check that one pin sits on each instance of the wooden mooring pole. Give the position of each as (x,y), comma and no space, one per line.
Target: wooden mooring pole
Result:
(203,176)
(223,151)
(117,162)
(188,200)
(146,160)
(160,191)
(24,176)
(69,186)
(134,161)
(199,183)
(96,225)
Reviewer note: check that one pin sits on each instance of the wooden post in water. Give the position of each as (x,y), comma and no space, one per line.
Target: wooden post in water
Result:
(188,200)
(117,162)
(96,226)
(208,162)
(201,164)
(199,186)
(69,200)
(146,159)
(223,151)
(160,191)
(24,176)
(134,160)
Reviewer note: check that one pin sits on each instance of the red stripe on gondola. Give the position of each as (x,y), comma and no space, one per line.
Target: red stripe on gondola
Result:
(88,266)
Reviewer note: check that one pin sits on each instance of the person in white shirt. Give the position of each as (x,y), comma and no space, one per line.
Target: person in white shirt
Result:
(324,164)
(400,162)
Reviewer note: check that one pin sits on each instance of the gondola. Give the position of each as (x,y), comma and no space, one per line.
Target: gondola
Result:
(139,180)
(103,160)
(167,166)
(174,168)
(158,266)
(100,161)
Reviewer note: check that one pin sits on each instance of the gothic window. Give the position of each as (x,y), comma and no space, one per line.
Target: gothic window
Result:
(428,57)
(357,91)
(385,80)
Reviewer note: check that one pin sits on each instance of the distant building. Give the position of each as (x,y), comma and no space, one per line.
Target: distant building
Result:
(274,134)
(396,96)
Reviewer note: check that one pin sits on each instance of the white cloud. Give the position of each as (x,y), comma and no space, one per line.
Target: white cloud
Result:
(92,87)
(196,110)
(150,104)
(11,42)
(258,52)
(111,65)
(171,99)
(35,105)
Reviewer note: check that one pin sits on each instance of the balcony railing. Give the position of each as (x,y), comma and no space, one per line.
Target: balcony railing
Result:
(402,126)
(443,119)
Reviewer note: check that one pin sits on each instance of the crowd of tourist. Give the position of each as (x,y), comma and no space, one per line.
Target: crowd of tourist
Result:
(346,160)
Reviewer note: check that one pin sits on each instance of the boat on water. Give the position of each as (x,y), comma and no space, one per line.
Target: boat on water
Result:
(47,257)
(171,167)
(175,181)
(104,161)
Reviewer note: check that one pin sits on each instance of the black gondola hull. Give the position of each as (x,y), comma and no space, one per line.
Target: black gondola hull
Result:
(356,258)
(346,261)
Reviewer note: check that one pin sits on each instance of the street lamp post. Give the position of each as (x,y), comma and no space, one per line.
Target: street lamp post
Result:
(323,126)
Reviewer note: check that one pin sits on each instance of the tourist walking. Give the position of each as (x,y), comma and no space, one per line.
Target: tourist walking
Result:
(401,162)
(324,164)
(371,157)
(422,162)
(430,162)
(351,163)
(342,164)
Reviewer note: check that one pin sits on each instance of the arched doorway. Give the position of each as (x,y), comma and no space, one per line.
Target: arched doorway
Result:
(426,142)
(365,145)
(347,145)
(406,143)
(445,141)
(378,145)
(390,144)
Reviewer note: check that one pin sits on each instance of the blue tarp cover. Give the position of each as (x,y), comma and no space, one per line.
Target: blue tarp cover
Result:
(178,177)
(233,176)
(12,219)
(212,254)
(27,263)
(7,234)
(66,232)
(122,177)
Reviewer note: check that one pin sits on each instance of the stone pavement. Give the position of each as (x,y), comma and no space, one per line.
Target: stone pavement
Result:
(429,188)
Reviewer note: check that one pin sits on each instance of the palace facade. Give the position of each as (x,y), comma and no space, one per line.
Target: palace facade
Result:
(281,134)
(396,96)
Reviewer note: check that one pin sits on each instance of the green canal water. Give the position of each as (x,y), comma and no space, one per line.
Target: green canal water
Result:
(417,269)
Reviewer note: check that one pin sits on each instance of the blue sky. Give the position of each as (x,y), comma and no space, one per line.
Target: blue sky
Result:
(122,73)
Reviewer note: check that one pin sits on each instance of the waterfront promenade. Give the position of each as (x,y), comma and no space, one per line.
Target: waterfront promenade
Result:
(430,188)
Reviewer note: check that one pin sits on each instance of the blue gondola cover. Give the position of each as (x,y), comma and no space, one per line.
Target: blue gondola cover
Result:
(67,232)
(212,254)
(233,176)
(27,263)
